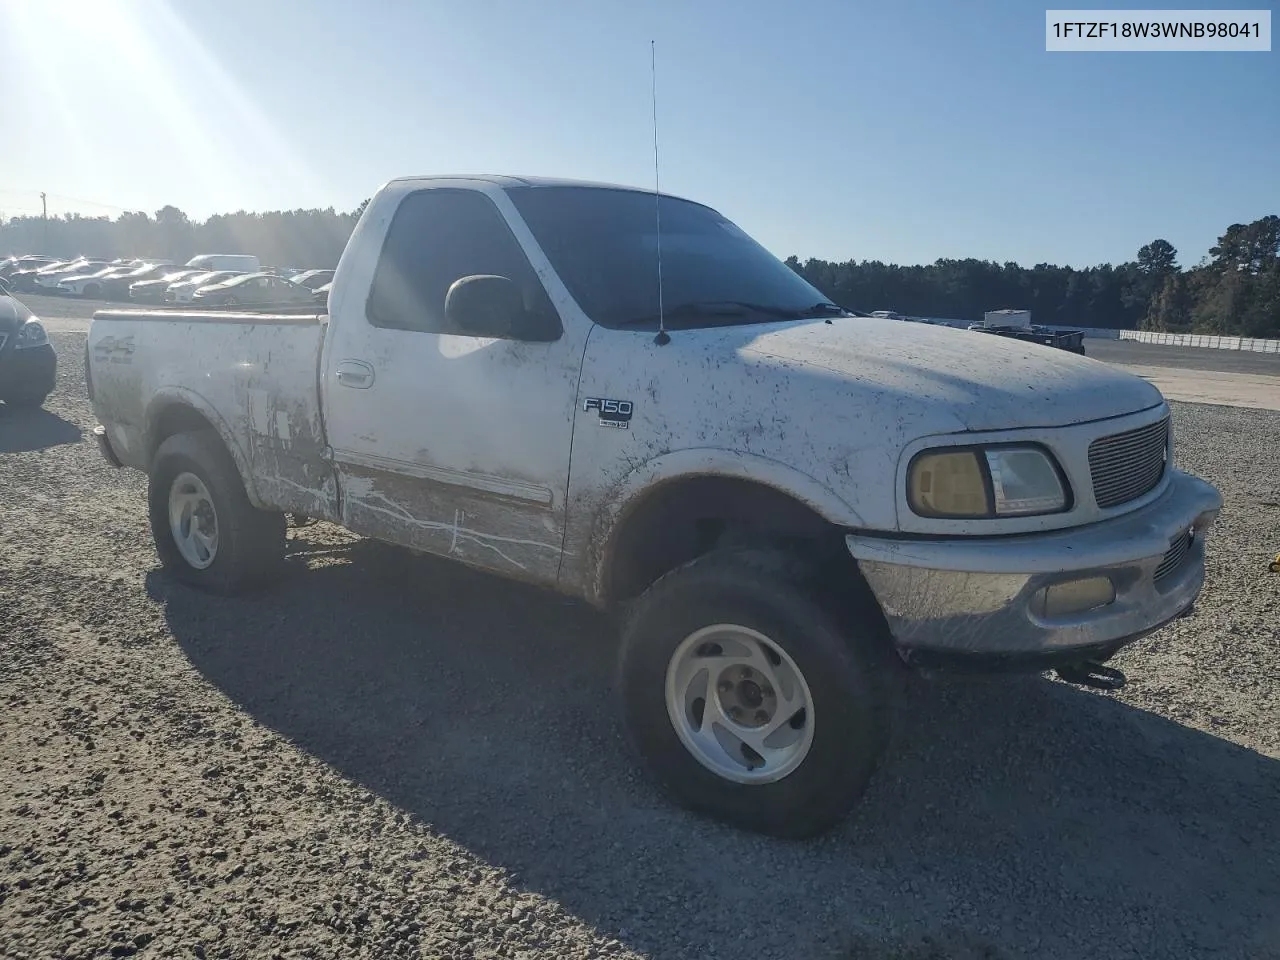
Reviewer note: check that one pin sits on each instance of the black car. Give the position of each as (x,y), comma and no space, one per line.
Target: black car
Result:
(252,289)
(28,364)
(24,279)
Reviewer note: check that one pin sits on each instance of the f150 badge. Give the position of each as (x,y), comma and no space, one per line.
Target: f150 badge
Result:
(613,413)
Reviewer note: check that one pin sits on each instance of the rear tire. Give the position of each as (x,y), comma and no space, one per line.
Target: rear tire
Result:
(206,531)
(760,609)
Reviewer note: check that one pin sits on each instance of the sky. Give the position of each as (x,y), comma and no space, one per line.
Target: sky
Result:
(901,130)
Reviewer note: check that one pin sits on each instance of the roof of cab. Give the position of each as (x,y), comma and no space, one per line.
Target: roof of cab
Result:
(512,180)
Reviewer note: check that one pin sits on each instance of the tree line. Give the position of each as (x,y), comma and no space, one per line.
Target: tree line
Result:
(282,238)
(1234,290)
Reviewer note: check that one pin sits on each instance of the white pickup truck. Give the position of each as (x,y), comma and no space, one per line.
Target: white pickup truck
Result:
(785,502)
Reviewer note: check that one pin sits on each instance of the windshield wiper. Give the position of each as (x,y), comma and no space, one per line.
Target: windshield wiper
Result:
(731,310)
(825,308)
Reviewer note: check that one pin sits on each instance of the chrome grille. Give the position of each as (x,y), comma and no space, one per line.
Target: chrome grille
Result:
(1126,465)
(1171,563)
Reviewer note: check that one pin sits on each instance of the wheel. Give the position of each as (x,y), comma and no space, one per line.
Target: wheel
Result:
(206,531)
(90,291)
(232,301)
(745,698)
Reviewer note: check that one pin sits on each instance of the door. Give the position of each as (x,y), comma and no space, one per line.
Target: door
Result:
(280,290)
(445,439)
(252,290)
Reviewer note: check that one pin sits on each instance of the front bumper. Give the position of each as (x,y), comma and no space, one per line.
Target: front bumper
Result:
(985,597)
(30,372)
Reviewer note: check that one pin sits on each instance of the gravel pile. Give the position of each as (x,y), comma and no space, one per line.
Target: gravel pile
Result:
(392,757)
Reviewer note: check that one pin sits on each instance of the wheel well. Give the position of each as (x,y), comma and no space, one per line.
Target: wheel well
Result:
(683,519)
(175,418)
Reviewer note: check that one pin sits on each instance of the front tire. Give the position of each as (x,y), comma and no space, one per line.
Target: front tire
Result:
(747,700)
(206,531)
(90,291)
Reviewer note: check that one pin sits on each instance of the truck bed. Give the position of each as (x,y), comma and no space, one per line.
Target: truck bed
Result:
(1072,340)
(253,376)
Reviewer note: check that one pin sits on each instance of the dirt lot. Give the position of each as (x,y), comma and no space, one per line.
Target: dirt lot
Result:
(390,757)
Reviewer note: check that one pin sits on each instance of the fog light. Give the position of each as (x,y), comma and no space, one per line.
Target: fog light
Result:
(1078,596)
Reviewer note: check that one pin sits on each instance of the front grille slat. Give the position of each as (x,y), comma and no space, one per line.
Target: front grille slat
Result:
(1127,465)
(1172,561)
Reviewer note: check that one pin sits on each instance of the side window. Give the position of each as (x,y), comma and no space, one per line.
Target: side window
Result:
(438,236)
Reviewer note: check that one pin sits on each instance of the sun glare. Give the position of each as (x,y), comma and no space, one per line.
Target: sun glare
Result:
(143,55)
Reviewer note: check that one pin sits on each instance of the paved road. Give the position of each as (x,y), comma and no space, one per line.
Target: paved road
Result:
(1132,353)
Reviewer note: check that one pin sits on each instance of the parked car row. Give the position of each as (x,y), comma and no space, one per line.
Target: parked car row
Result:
(207,279)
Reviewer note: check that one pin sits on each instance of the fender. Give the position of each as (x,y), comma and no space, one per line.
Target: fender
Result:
(169,396)
(617,503)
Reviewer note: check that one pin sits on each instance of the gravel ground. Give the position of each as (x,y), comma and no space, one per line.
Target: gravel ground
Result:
(393,757)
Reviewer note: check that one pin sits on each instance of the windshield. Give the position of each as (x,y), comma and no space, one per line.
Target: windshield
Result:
(603,244)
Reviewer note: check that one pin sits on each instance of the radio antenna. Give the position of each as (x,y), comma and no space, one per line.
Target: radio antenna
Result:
(662,339)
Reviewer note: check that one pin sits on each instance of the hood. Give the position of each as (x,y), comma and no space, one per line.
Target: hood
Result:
(985,382)
(13,314)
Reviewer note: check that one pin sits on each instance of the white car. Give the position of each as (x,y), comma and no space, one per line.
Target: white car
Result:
(184,290)
(48,282)
(783,503)
(90,284)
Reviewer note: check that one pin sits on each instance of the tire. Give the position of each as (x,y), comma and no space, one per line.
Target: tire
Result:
(248,543)
(231,302)
(842,670)
(90,291)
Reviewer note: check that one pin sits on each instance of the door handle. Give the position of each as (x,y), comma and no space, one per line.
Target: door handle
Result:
(355,373)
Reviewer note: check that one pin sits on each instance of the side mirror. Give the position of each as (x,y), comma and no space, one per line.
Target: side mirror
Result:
(484,306)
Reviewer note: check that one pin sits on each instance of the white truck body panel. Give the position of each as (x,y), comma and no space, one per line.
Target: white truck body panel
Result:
(824,412)
(252,377)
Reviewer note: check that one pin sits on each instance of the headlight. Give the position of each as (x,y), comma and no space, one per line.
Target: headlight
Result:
(32,334)
(996,482)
